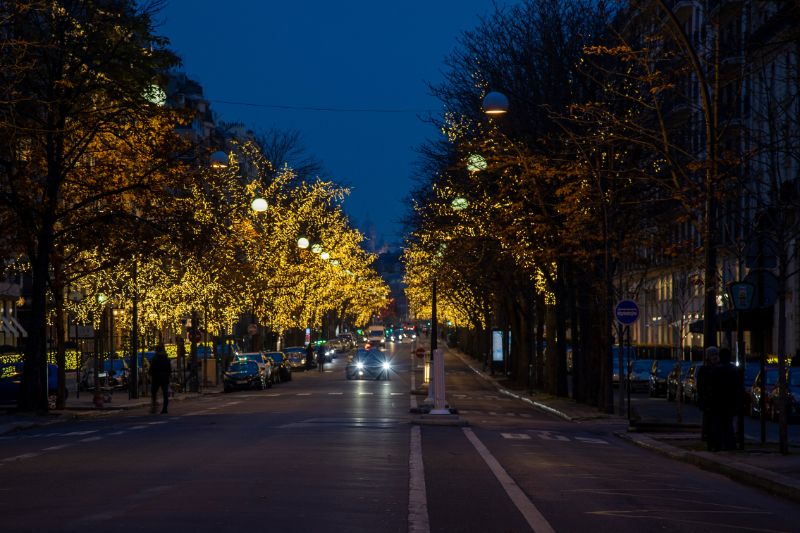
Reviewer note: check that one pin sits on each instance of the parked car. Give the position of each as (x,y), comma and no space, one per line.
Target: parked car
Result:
(690,383)
(627,355)
(369,364)
(751,370)
(639,374)
(264,364)
(297,358)
(760,384)
(114,374)
(282,368)
(244,374)
(792,396)
(660,369)
(675,378)
(11,380)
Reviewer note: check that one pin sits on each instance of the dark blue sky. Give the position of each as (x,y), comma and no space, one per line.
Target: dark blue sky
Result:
(332,54)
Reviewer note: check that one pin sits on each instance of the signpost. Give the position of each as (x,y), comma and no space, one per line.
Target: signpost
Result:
(627,313)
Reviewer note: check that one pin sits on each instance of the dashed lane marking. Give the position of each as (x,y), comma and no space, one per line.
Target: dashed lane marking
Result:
(21,457)
(335,393)
(54,448)
(515,436)
(91,439)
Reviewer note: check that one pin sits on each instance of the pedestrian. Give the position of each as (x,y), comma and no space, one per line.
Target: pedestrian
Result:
(321,357)
(702,382)
(723,385)
(160,370)
(309,356)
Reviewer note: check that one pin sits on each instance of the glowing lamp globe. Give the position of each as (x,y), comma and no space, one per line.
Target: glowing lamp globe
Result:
(303,243)
(259,205)
(495,103)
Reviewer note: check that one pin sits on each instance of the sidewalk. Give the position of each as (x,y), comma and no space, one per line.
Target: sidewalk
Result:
(757,465)
(83,407)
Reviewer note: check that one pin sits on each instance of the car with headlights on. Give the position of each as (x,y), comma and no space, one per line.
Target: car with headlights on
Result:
(244,374)
(369,364)
(297,358)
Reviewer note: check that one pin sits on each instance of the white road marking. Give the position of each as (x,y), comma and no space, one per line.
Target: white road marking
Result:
(156,423)
(547,435)
(417,495)
(116,433)
(515,436)
(335,393)
(54,448)
(396,393)
(532,515)
(77,433)
(91,439)
(21,457)
(366,393)
(138,427)
(303,394)
(590,440)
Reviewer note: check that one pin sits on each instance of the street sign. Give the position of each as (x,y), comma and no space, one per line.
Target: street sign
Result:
(742,295)
(420,352)
(627,312)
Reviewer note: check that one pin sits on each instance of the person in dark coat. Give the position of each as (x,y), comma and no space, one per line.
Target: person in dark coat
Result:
(703,383)
(160,370)
(722,403)
(309,356)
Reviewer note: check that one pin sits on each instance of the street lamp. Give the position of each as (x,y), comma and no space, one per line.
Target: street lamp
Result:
(495,103)
(259,205)
(303,243)
(219,159)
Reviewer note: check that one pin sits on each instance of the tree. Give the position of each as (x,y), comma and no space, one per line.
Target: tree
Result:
(73,72)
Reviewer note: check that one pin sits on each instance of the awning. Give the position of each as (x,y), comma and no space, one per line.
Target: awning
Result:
(747,320)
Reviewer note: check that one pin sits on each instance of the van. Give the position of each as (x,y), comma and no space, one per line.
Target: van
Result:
(376,335)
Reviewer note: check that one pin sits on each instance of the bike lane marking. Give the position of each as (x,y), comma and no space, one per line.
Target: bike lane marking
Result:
(529,511)
(417,495)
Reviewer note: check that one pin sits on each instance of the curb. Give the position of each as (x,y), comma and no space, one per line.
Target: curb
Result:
(754,476)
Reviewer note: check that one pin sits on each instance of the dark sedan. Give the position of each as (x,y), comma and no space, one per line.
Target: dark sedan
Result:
(657,386)
(244,374)
(282,369)
(675,379)
(369,364)
(792,396)
(757,388)
(297,358)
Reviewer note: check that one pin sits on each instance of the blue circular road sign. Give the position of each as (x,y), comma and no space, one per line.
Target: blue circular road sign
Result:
(627,312)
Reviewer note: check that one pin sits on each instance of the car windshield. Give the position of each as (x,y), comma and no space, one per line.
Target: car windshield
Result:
(370,356)
(772,376)
(663,367)
(375,333)
(276,356)
(244,366)
(249,357)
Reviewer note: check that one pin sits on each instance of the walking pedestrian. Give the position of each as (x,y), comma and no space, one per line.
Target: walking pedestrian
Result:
(321,357)
(160,370)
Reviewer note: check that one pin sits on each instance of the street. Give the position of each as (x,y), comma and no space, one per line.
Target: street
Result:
(321,453)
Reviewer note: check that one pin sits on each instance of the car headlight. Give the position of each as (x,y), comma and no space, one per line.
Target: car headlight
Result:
(387,365)
(360,365)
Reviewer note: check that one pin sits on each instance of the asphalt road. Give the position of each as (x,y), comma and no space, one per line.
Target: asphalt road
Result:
(321,453)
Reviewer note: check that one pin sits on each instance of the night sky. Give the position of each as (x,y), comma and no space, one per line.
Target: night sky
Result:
(342,55)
